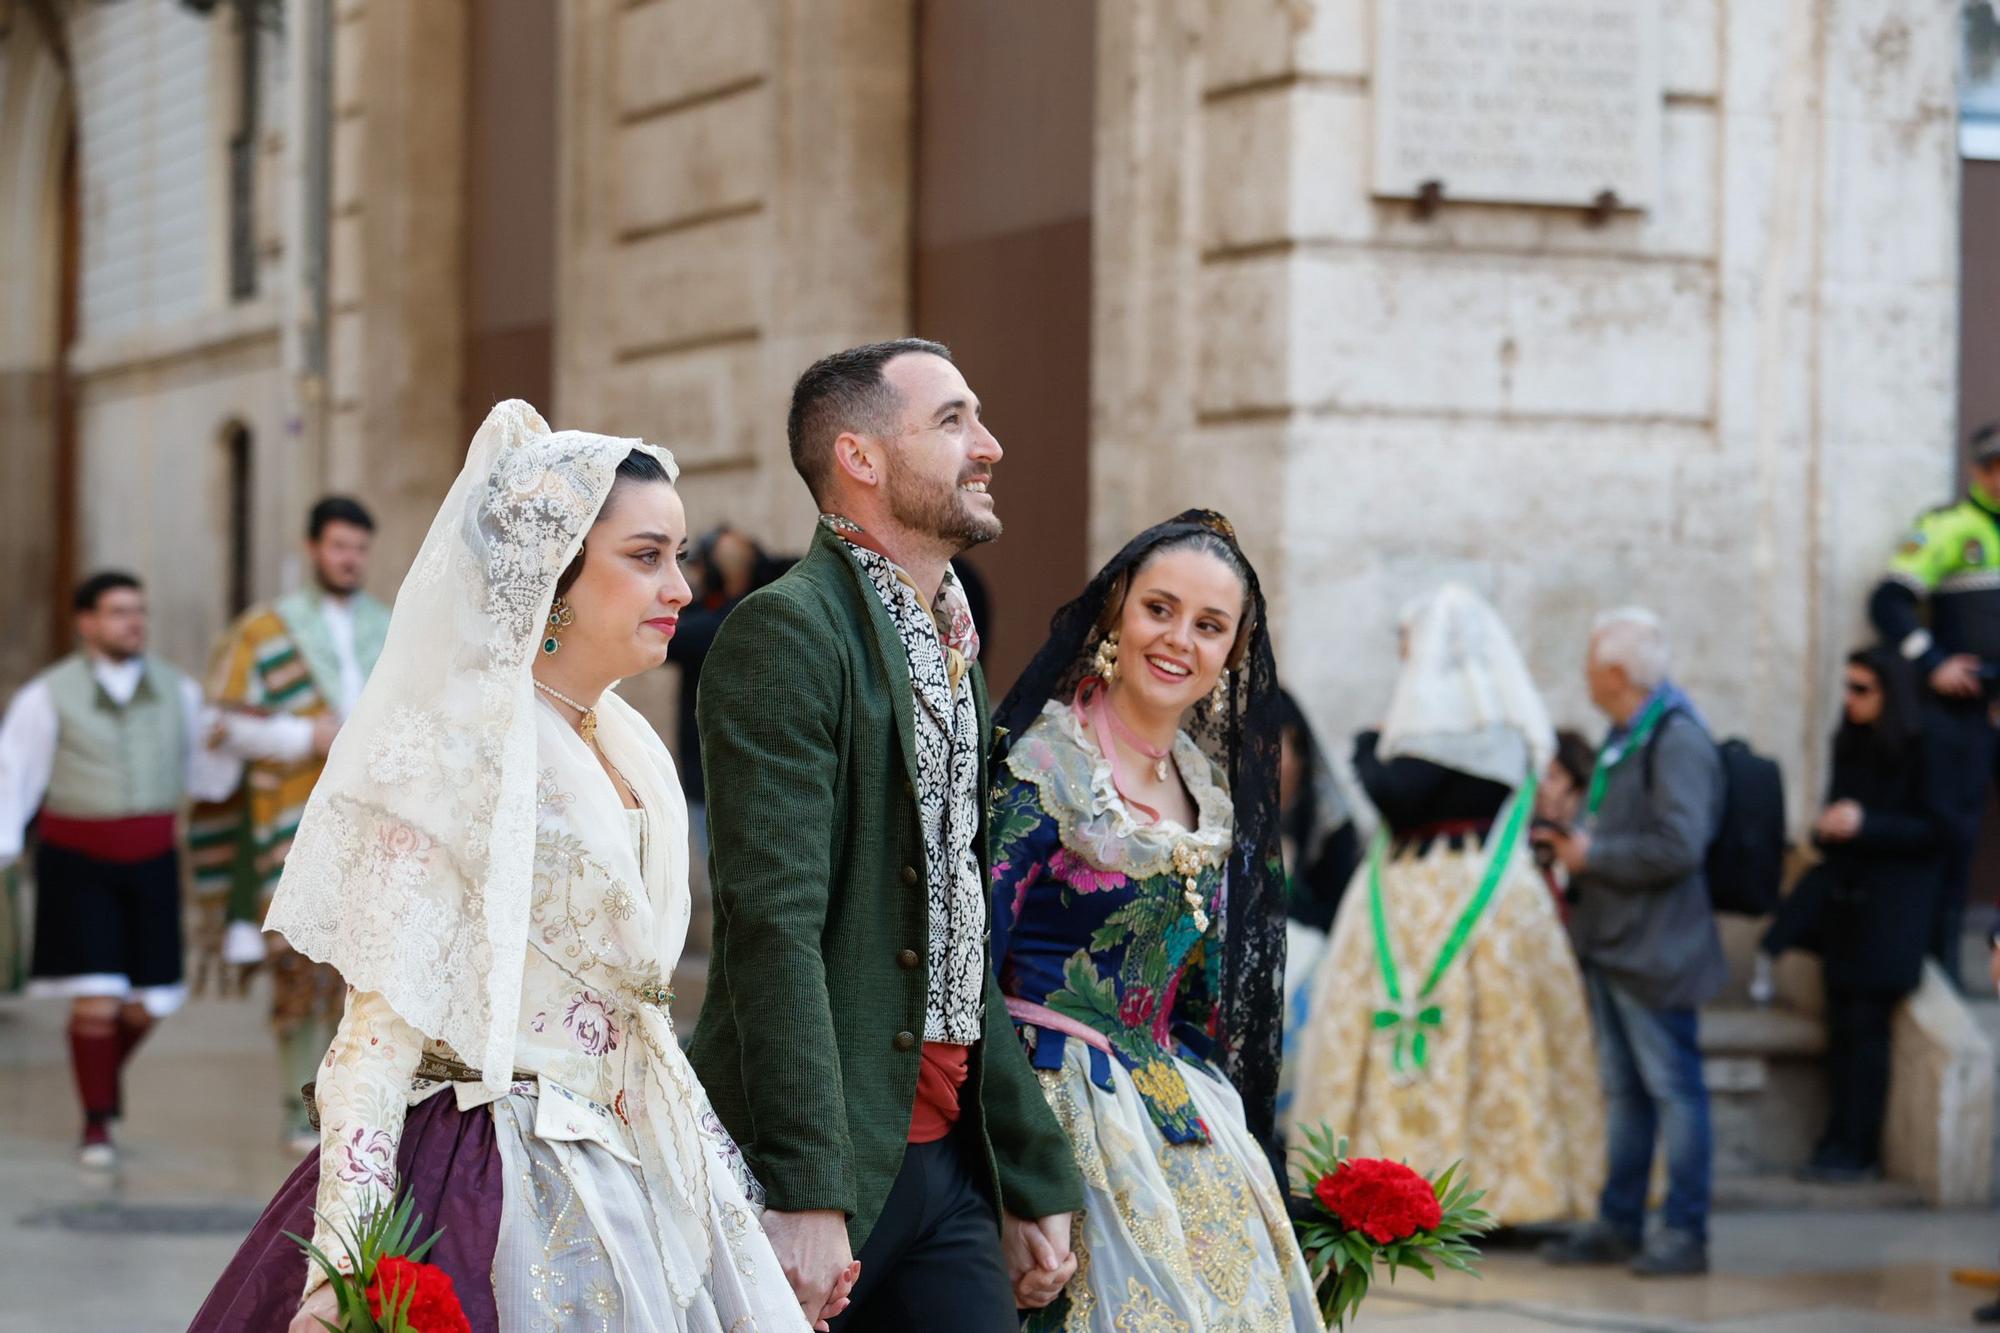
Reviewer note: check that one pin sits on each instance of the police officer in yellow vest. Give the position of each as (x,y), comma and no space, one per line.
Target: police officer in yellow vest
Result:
(1940,607)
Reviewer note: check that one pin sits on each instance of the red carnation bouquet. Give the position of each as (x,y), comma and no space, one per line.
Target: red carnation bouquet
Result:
(1366,1211)
(385,1287)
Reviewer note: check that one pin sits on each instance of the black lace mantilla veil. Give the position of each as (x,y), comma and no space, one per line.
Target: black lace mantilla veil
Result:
(1243,739)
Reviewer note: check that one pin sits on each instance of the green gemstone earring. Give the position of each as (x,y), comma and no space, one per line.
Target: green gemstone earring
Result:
(560,619)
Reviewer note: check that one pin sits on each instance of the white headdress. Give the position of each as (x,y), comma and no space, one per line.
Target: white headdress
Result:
(413,867)
(1464,698)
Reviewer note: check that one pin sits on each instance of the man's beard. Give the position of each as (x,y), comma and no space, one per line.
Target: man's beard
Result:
(938,511)
(329,584)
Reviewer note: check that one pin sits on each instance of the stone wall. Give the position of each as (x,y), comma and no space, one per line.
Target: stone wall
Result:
(395,434)
(1725,407)
(735,201)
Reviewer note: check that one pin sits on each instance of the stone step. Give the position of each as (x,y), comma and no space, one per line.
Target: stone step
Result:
(1771,1033)
(1767,1088)
(1783,1194)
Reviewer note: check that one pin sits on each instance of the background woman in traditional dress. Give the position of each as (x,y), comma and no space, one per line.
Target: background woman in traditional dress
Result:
(1447,1020)
(1138,932)
(496,860)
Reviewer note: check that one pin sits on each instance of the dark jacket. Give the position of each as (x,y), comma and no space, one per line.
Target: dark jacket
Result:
(1867,907)
(810,1036)
(1642,914)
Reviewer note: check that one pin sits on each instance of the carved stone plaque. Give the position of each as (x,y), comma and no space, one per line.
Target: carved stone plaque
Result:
(1518,101)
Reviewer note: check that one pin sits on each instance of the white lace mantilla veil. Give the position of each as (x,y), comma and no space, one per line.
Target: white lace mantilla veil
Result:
(413,867)
(1464,698)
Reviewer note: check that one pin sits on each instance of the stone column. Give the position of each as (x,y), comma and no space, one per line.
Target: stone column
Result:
(395,434)
(34,127)
(735,195)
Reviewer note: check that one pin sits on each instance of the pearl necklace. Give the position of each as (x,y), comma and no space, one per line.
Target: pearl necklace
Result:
(588,725)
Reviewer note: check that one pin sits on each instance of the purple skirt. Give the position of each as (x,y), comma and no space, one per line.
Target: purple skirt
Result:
(448,1159)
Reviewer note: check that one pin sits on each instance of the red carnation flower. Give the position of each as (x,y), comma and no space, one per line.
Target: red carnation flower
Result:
(433,1309)
(1384,1201)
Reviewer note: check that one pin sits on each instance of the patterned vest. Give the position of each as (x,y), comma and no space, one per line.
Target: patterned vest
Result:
(114,761)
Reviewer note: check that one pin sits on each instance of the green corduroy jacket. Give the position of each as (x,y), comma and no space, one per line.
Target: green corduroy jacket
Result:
(810,1035)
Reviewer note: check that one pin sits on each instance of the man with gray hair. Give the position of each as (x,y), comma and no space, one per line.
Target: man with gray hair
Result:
(1646,934)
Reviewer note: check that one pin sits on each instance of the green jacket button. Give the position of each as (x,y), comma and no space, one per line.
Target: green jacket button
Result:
(907,960)
(906,1041)
(909,875)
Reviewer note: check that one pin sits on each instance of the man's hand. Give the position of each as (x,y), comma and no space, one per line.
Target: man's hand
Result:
(1038,1258)
(325,727)
(1571,846)
(812,1251)
(1957,677)
(1839,822)
(322,1305)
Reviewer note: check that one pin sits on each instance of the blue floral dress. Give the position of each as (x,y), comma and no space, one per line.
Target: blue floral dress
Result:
(1106,942)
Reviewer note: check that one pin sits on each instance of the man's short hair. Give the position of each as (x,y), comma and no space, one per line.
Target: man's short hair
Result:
(91,591)
(845,392)
(337,509)
(1633,638)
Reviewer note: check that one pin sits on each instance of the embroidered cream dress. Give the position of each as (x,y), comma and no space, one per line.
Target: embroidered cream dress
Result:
(469,868)
(577,1241)
(1445,1020)
(1105,935)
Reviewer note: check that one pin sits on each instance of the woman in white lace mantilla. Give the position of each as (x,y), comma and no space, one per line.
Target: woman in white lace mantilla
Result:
(496,860)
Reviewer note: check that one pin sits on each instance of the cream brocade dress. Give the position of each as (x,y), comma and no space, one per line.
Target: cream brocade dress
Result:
(1510,1086)
(580,1246)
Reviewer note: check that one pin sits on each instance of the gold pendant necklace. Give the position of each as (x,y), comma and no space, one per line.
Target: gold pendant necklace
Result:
(588,725)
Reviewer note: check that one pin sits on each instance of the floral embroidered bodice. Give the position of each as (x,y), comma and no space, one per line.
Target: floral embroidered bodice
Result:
(592,958)
(1107,921)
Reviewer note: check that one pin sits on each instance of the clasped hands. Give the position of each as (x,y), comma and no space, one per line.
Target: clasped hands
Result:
(812,1250)
(1040,1262)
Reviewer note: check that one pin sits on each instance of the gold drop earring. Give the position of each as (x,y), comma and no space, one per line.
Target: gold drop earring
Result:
(560,619)
(1218,698)
(1105,664)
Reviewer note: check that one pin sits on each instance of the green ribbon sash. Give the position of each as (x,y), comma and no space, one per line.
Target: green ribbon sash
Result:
(1635,741)
(1410,1020)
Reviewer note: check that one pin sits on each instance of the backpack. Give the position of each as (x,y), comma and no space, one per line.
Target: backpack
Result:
(1746,861)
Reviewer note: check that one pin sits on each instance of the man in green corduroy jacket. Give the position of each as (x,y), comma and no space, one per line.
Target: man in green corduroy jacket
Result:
(853,1039)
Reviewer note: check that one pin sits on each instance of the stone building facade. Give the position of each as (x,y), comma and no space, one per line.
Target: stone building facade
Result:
(1147,226)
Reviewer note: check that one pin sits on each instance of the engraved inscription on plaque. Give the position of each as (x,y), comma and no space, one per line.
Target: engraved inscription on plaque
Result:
(1518,101)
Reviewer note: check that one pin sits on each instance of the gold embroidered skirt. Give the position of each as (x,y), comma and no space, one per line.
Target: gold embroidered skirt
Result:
(1509,1083)
(1175,1237)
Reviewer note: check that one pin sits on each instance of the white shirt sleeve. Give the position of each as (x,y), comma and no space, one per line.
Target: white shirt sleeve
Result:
(27,758)
(211,774)
(283,738)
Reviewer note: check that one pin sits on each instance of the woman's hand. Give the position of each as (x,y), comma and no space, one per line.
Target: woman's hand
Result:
(322,1309)
(1839,822)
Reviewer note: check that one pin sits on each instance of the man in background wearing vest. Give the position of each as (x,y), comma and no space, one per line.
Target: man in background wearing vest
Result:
(101,750)
(1949,565)
(300,664)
